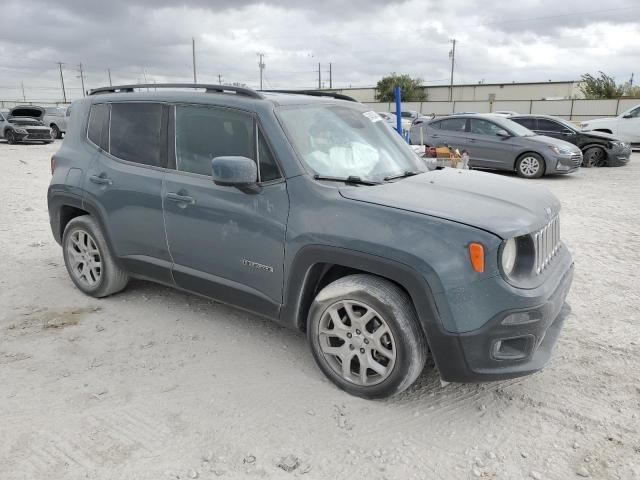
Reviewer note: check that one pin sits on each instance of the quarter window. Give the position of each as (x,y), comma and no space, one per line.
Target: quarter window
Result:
(98,129)
(136,132)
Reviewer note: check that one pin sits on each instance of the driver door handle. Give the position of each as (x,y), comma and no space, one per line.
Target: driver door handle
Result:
(175,197)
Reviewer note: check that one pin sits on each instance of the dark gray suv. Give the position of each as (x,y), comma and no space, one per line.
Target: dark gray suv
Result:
(312,212)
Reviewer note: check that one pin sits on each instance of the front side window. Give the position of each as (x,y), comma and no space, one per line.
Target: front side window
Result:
(484,127)
(136,132)
(204,133)
(453,124)
(549,126)
(98,129)
(635,113)
(341,141)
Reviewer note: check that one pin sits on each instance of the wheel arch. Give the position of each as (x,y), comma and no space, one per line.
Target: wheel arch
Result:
(603,130)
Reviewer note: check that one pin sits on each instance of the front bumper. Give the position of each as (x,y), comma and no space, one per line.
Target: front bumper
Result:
(564,163)
(34,136)
(619,156)
(513,343)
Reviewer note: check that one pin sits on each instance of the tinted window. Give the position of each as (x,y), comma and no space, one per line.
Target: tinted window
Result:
(549,125)
(484,127)
(98,129)
(635,112)
(268,167)
(529,123)
(205,133)
(453,124)
(136,132)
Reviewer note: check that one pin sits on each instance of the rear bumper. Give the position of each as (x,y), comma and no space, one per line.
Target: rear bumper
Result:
(513,343)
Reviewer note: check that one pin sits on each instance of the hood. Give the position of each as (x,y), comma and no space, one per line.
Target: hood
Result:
(506,207)
(27,111)
(600,135)
(555,142)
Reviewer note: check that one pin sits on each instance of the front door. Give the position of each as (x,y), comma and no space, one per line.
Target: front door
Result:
(225,242)
(554,129)
(629,126)
(486,148)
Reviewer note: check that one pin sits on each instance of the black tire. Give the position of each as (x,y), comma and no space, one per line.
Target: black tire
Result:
(55,131)
(11,137)
(388,302)
(47,142)
(594,157)
(524,165)
(112,277)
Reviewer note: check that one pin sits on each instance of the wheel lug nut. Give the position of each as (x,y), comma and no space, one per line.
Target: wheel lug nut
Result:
(357,332)
(366,341)
(349,335)
(362,350)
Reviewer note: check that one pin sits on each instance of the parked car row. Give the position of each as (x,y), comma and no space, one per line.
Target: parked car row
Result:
(29,123)
(531,145)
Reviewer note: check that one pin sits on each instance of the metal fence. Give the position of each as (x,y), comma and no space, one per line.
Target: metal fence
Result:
(576,109)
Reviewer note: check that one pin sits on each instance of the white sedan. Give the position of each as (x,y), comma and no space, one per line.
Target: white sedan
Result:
(625,126)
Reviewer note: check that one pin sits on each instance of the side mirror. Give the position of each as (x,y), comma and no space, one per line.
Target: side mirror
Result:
(503,134)
(234,171)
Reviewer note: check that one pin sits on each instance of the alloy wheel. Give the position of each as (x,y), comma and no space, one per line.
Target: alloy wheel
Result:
(357,342)
(529,166)
(84,258)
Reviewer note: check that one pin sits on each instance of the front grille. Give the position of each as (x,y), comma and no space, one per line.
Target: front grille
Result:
(547,243)
(577,160)
(33,134)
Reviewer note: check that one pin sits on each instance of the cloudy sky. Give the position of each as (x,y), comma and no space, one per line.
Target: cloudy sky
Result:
(498,41)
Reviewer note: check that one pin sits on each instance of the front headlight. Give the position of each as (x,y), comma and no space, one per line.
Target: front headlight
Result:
(509,255)
(618,144)
(561,150)
(20,130)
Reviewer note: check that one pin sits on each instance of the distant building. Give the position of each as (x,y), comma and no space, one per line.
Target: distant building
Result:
(485,91)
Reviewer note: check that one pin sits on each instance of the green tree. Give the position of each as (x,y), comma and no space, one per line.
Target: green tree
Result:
(602,86)
(631,90)
(411,89)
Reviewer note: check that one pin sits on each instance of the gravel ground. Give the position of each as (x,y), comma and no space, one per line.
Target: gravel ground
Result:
(157,384)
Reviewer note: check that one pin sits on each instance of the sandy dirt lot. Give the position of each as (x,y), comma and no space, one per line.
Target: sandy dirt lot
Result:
(157,384)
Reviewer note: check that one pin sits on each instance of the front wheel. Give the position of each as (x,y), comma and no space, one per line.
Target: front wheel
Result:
(55,131)
(530,165)
(594,157)
(11,137)
(365,336)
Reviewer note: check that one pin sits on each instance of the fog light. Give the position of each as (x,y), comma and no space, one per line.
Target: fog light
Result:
(514,348)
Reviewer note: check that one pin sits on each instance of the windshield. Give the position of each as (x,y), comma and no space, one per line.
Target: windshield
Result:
(342,141)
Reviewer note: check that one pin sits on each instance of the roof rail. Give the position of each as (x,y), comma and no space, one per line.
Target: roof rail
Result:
(208,88)
(315,93)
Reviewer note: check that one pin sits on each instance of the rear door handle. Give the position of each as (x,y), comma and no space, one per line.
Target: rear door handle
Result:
(99,180)
(175,197)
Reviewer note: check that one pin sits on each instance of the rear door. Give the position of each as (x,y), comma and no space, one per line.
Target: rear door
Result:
(226,242)
(449,131)
(125,182)
(486,148)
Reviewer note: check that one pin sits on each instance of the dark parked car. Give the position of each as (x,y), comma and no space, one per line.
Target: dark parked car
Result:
(24,124)
(598,148)
(314,213)
(495,142)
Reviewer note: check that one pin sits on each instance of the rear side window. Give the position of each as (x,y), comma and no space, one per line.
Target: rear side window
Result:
(529,123)
(136,132)
(453,124)
(203,133)
(98,129)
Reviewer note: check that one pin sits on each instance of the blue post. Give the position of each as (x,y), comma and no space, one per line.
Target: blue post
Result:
(396,92)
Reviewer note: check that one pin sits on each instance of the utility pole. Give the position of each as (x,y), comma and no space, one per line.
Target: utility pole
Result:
(631,81)
(330,76)
(82,79)
(109,72)
(220,79)
(319,77)
(24,97)
(452,54)
(193,51)
(64,93)
(261,66)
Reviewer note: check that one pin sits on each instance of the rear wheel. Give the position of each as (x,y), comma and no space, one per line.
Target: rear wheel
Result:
(530,165)
(365,336)
(90,264)
(594,157)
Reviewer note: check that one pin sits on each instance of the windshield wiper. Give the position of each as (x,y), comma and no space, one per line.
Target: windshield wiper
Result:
(353,179)
(408,173)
